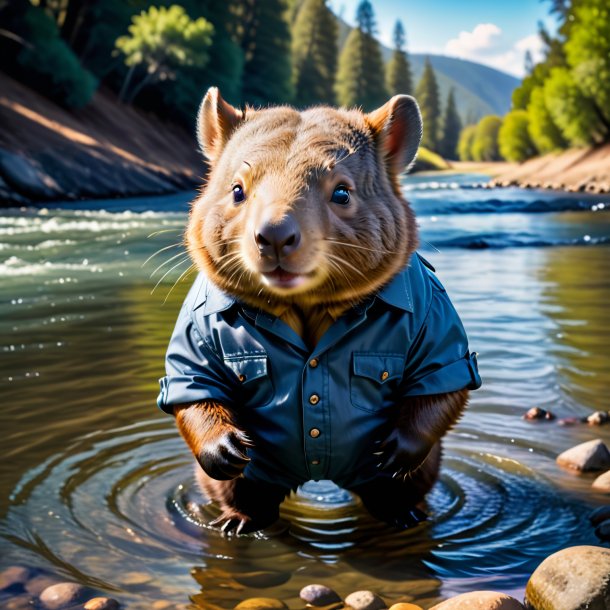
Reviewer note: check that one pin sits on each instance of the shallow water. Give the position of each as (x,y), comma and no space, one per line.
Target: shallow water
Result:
(96,485)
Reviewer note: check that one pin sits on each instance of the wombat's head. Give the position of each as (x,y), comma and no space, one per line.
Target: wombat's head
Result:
(304,207)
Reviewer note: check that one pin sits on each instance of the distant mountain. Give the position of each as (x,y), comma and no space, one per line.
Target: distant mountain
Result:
(479,90)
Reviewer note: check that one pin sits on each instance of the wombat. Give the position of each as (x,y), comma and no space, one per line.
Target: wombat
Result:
(315,343)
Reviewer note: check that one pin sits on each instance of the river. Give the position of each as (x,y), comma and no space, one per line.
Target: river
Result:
(96,486)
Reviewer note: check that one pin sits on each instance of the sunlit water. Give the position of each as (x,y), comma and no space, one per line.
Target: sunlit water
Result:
(97,486)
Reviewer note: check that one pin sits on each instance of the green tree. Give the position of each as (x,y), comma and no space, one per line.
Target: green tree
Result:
(266,43)
(360,75)
(485,145)
(159,40)
(587,50)
(427,95)
(571,110)
(314,53)
(545,135)
(514,141)
(452,126)
(398,70)
(465,143)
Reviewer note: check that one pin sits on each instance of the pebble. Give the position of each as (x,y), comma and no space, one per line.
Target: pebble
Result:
(13,577)
(598,418)
(101,603)
(319,595)
(36,585)
(262,579)
(602,483)
(405,606)
(61,595)
(136,578)
(19,602)
(538,413)
(364,600)
(592,455)
(480,600)
(600,514)
(573,578)
(261,603)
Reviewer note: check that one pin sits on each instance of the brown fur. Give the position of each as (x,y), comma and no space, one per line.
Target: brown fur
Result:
(288,163)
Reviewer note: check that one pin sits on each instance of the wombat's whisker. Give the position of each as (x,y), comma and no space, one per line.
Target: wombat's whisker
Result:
(342,243)
(168,272)
(169,260)
(179,243)
(183,275)
(155,233)
(344,262)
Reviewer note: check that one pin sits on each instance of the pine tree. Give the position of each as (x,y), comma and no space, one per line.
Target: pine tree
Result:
(452,125)
(360,76)
(266,44)
(398,71)
(314,53)
(427,95)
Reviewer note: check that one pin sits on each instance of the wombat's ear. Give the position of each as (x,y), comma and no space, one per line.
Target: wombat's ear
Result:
(398,127)
(216,121)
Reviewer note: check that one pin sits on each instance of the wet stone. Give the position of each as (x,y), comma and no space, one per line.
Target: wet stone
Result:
(19,602)
(61,595)
(365,600)
(13,577)
(480,600)
(592,455)
(598,418)
(571,579)
(600,514)
(602,483)
(101,603)
(405,606)
(538,413)
(319,595)
(262,579)
(36,585)
(261,603)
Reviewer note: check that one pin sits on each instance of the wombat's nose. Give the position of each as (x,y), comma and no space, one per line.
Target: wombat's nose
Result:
(278,239)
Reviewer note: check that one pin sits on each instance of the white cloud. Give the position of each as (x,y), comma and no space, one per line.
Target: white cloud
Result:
(486,45)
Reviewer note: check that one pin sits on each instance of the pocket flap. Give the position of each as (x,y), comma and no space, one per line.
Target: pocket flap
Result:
(379,367)
(248,367)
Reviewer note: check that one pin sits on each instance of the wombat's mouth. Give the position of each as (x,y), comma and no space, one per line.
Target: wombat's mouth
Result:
(280,278)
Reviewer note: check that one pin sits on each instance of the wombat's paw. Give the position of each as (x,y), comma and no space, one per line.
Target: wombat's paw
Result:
(225,457)
(232,520)
(401,454)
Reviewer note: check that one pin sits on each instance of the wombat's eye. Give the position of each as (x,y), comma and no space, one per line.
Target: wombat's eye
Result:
(340,195)
(238,193)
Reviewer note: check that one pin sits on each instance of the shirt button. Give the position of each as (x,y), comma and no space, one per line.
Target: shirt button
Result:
(313,363)
(315,462)
(314,399)
(384,375)
(314,433)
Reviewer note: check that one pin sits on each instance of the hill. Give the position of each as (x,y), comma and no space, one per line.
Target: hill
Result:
(479,90)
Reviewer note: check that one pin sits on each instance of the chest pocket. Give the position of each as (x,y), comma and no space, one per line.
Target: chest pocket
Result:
(252,377)
(373,379)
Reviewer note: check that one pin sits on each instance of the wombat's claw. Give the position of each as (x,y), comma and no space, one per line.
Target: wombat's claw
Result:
(230,524)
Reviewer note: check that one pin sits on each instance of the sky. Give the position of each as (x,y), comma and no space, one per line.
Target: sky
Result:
(496,33)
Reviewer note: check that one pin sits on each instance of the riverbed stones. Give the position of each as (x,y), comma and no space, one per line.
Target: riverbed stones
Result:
(61,595)
(592,455)
(261,603)
(319,595)
(576,578)
(364,600)
(599,418)
(538,413)
(13,577)
(36,585)
(480,600)
(101,603)
(405,606)
(262,579)
(602,483)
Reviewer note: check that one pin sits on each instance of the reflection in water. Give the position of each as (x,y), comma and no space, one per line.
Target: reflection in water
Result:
(98,487)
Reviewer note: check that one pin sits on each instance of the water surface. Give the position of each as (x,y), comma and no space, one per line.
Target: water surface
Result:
(96,485)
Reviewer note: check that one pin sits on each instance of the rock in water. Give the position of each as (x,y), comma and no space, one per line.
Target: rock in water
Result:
(598,418)
(61,595)
(576,578)
(101,603)
(592,455)
(13,577)
(261,603)
(538,413)
(319,595)
(405,606)
(602,483)
(364,600)
(480,600)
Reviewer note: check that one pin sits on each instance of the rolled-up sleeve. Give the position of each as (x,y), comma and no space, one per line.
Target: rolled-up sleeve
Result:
(439,360)
(193,370)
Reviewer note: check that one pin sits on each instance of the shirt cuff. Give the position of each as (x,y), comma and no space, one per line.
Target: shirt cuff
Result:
(184,389)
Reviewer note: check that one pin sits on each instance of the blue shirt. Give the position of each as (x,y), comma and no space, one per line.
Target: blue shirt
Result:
(316,414)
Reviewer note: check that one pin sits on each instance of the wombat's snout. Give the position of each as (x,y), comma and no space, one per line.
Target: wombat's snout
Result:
(277,240)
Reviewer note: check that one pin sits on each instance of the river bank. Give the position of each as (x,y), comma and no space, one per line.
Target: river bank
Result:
(106,150)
